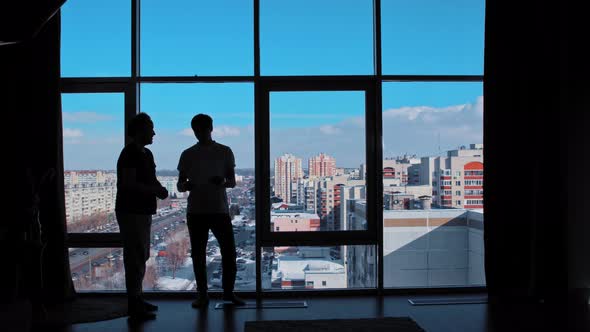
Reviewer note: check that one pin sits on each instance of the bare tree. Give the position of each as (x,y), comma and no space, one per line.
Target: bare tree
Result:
(151,277)
(176,251)
(90,222)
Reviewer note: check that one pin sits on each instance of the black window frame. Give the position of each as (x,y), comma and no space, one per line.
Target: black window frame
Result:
(263,85)
(74,86)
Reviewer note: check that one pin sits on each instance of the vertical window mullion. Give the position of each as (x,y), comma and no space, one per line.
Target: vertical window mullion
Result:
(258,159)
(378,192)
(132,105)
(377,38)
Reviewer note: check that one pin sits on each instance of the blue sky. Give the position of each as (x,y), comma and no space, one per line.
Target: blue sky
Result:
(185,38)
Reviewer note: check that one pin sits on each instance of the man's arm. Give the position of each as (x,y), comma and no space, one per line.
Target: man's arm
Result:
(128,180)
(230,173)
(230,178)
(183,183)
(162,192)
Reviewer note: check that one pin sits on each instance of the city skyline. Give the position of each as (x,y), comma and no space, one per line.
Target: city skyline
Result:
(304,165)
(421,130)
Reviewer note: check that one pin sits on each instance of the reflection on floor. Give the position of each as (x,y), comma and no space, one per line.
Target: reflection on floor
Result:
(176,314)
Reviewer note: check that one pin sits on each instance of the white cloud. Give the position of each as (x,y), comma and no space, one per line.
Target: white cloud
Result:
(357,121)
(225,131)
(426,113)
(106,140)
(477,106)
(465,132)
(85,117)
(218,132)
(298,116)
(429,114)
(330,130)
(72,133)
(187,132)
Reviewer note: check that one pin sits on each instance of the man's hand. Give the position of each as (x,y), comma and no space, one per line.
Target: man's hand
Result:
(162,193)
(217,180)
(188,185)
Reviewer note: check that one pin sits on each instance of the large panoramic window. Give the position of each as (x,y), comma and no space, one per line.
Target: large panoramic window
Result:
(356,126)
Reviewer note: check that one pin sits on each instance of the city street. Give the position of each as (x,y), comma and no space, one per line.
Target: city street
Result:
(82,259)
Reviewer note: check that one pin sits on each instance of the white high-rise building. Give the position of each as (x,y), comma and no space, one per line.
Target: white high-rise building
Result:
(457,179)
(288,171)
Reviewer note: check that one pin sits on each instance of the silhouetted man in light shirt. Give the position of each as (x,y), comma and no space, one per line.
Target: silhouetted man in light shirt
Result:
(206,169)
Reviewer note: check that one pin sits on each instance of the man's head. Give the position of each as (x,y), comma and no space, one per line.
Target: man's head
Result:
(141,129)
(202,125)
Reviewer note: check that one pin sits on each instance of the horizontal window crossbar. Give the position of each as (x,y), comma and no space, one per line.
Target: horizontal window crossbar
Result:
(432,78)
(93,85)
(320,78)
(196,79)
(94,240)
(319,83)
(318,239)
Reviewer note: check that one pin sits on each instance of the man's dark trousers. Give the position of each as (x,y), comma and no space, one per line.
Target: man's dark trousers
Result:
(135,233)
(220,224)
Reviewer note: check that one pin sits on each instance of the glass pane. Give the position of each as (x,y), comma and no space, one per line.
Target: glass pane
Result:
(297,268)
(170,267)
(433,184)
(93,136)
(186,38)
(96,38)
(98,268)
(432,37)
(316,37)
(172,107)
(316,150)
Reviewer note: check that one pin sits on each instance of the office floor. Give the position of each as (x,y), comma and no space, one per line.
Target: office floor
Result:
(177,315)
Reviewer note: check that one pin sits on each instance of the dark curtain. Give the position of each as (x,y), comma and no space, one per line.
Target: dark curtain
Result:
(516,76)
(33,103)
(536,111)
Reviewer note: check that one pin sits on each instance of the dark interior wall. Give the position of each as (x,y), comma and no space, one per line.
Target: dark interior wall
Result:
(32,102)
(579,230)
(513,119)
(576,147)
(574,176)
(536,100)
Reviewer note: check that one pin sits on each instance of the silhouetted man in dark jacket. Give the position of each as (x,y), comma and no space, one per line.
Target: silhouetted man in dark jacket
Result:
(137,190)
